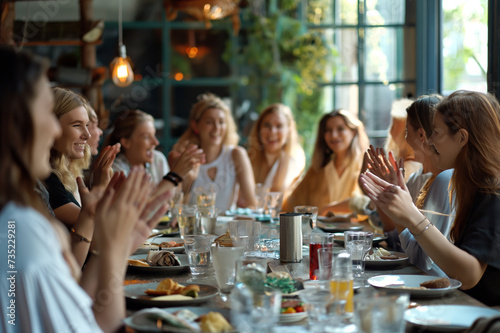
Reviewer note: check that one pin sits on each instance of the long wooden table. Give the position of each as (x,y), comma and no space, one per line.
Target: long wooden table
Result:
(301,271)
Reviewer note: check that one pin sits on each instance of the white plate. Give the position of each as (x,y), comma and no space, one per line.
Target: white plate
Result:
(152,244)
(171,270)
(292,317)
(141,323)
(136,296)
(447,318)
(389,263)
(395,282)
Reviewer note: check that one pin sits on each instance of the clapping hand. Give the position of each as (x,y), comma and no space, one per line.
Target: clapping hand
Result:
(120,209)
(185,158)
(102,171)
(379,165)
(393,199)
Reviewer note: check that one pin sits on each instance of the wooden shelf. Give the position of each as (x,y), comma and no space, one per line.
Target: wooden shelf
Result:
(60,43)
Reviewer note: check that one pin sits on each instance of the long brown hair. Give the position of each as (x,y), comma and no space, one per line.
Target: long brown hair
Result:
(20,75)
(477,167)
(256,151)
(210,101)
(420,113)
(322,155)
(124,125)
(65,101)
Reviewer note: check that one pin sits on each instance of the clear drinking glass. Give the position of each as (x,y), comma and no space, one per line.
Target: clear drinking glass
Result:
(260,195)
(198,251)
(205,196)
(378,312)
(317,240)
(255,311)
(273,204)
(188,219)
(224,260)
(358,243)
(309,214)
(251,271)
(177,198)
(245,233)
(208,219)
(317,297)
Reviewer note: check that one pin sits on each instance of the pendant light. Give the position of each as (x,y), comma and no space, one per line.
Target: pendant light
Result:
(121,71)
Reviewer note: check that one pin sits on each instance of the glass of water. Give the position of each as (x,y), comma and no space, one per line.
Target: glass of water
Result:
(188,218)
(198,251)
(358,243)
(273,203)
(255,310)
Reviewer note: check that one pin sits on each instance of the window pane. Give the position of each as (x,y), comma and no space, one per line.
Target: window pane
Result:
(384,54)
(465,45)
(383,12)
(346,12)
(326,64)
(346,41)
(320,11)
(346,97)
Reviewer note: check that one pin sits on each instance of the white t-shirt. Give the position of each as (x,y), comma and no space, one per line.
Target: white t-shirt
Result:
(46,297)
(226,187)
(156,170)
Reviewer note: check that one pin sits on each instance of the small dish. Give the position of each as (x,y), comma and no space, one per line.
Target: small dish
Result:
(389,263)
(142,322)
(161,270)
(292,317)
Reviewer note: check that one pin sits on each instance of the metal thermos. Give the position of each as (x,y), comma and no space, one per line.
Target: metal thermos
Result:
(290,237)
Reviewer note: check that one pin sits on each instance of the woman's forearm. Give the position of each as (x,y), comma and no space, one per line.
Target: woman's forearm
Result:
(81,233)
(455,262)
(103,279)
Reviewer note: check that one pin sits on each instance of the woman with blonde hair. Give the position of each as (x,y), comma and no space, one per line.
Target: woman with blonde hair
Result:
(396,138)
(69,156)
(466,132)
(274,150)
(227,167)
(332,179)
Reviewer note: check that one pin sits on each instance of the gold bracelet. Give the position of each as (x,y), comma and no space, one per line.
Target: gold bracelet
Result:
(80,237)
(421,232)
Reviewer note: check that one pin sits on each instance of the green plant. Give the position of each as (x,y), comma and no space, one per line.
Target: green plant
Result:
(281,60)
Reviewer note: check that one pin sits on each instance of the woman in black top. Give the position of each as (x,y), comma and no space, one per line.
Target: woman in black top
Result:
(466,136)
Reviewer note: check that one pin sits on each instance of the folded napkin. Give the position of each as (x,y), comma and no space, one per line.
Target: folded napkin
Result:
(148,318)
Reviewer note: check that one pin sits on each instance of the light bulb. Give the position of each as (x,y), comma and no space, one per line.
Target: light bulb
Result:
(121,71)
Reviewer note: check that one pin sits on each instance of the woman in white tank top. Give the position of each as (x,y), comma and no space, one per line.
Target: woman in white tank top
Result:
(227,166)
